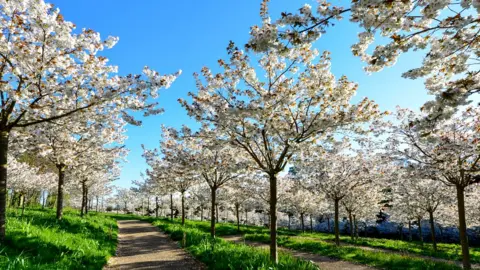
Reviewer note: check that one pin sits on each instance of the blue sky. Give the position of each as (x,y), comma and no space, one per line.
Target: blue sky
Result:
(170,35)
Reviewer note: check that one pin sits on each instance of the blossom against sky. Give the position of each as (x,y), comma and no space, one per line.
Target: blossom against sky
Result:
(189,34)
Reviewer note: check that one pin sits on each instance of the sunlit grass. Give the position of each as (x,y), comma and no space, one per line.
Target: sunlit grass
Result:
(38,241)
(354,254)
(220,254)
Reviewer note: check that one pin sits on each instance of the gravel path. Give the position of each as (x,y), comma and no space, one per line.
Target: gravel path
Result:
(324,262)
(142,246)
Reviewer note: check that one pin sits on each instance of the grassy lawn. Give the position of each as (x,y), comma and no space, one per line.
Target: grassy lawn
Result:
(38,241)
(220,254)
(445,251)
(353,254)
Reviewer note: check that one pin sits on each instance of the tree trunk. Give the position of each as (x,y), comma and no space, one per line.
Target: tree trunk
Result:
(3,182)
(213,194)
(420,234)
(350,219)
(82,210)
(432,230)
(289,218)
(216,217)
(156,206)
(23,205)
(201,213)
(171,206)
(463,227)
(355,226)
(96,206)
(183,208)
(410,231)
(246,217)
(87,202)
(61,181)
(273,219)
(337,225)
(328,224)
(237,211)
(302,222)
(311,223)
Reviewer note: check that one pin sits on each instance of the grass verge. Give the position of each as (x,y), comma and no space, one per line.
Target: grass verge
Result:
(217,253)
(38,241)
(354,254)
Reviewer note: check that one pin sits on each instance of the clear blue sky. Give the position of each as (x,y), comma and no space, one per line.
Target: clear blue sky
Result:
(170,35)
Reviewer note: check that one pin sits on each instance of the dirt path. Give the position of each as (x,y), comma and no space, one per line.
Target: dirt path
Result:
(325,263)
(142,246)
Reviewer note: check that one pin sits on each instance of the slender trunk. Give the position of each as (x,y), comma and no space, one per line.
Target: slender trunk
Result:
(148,205)
(82,210)
(61,181)
(463,227)
(156,206)
(410,231)
(432,230)
(201,213)
(171,206)
(328,224)
(337,225)
(213,194)
(3,182)
(273,218)
(289,218)
(216,206)
(23,205)
(237,211)
(183,208)
(350,220)
(246,217)
(355,226)
(302,222)
(311,223)
(87,202)
(96,206)
(420,234)
(400,231)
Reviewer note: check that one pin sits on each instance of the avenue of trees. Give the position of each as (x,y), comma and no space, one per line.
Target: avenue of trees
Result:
(278,133)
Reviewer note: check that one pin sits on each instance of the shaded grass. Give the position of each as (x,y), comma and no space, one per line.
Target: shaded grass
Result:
(445,251)
(38,241)
(217,253)
(354,254)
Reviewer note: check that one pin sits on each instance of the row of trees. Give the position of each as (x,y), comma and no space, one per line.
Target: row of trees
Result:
(277,103)
(63,107)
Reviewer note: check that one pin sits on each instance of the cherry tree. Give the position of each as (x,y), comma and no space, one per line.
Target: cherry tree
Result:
(271,114)
(215,161)
(333,171)
(446,33)
(447,151)
(49,72)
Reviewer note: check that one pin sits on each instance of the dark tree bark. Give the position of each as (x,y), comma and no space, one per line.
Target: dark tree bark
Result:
(183,208)
(311,223)
(237,212)
(96,206)
(4,135)
(61,181)
(171,206)
(432,230)
(350,219)
(87,203)
(463,227)
(273,218)
(156,206)
(337,225)
(213,194)
(410,231)
(420,234)
(218,214)
(289,219)
(302,222)
(355,226)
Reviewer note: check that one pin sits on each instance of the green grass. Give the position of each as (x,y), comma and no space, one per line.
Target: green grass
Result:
(354,254)
(38,241)
(217,253)
(444,251)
